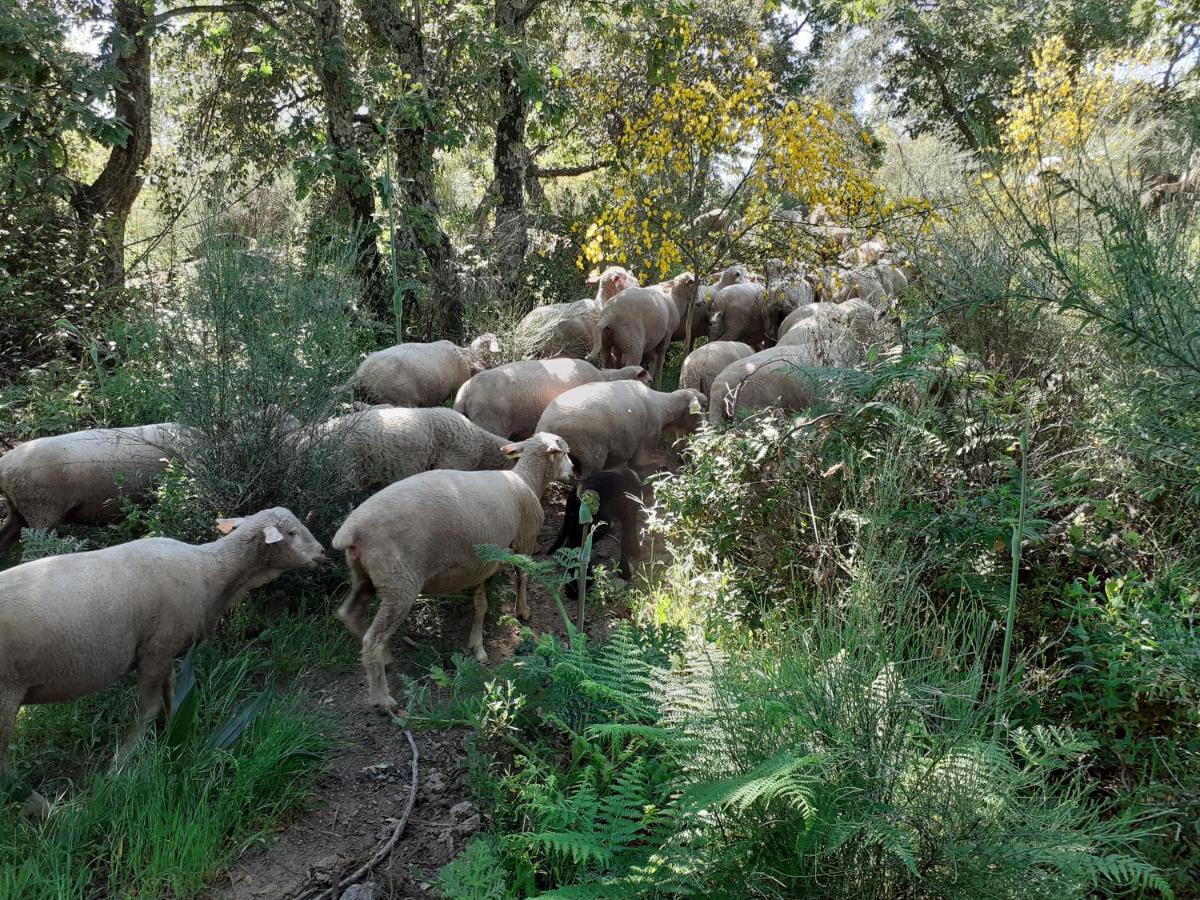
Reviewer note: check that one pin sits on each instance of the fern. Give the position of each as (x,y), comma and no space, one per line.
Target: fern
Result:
(778,779)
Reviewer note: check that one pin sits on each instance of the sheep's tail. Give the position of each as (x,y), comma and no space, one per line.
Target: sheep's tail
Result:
(348,385)
(344,539)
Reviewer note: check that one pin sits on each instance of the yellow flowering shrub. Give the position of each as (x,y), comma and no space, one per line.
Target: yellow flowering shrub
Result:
(715,134)
(1061,105)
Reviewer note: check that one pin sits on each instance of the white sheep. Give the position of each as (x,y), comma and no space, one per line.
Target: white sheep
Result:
(390,443)
(781,376)
(416,374)
(637,325)
(565,329)
(418,536)
(71,625)
(609,424)
(858,313)
(81,477)
(703,364)
(509,399)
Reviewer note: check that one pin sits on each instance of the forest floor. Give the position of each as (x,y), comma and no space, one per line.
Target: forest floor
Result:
(357,804)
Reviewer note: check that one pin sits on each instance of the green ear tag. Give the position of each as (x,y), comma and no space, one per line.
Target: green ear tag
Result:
(589,505)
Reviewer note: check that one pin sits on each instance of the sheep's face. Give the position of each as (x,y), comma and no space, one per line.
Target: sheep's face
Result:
(288,544)
(612,281)
(693,413)
(552,447)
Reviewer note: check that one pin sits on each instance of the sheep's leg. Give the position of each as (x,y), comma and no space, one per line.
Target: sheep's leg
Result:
(522,590)
(153,678)
(35,805)
(476,642)
(396,603)
(660,360)
(353,611)
(631,544)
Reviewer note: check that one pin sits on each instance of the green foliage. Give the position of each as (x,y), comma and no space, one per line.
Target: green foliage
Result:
(255,354)
(137,833)
(37,543)
(1134,678)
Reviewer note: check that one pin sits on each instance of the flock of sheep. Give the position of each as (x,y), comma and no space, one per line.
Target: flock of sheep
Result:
(445,480)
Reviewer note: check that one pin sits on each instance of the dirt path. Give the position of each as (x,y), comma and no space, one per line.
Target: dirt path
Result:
(357,804)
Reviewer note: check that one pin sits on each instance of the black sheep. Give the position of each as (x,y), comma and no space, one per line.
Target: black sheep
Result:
(620,493)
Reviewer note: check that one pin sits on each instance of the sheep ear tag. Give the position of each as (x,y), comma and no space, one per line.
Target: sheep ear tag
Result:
(272,535)
(694,408)
(512,451)
(227,525)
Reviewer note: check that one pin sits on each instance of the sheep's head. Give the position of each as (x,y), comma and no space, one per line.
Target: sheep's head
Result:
(733,275)
(683,287)
(693,412)
(549,447)
(628,373)
(485,352)
(285,540)
(611,282)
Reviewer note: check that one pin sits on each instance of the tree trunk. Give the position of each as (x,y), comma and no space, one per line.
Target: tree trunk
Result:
(414,154)
(353,192)
(510,159)
(102,207)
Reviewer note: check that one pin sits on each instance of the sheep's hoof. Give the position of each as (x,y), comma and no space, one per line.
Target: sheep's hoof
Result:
(481,655)
(35,807)
(387,706)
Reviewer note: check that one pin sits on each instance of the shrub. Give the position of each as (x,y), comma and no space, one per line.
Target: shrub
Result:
(255,352)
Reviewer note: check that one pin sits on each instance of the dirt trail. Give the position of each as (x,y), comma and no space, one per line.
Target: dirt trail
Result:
(357,804)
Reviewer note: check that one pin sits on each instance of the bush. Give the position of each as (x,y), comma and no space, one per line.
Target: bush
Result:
(255,353)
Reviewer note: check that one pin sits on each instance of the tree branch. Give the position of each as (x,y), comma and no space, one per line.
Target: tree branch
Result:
(216,9)
(568,171)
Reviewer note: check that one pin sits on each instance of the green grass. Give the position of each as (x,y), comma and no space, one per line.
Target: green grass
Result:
(183,809)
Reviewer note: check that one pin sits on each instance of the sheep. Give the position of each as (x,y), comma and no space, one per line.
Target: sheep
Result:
(826,341)
(565,329)
(705,363)
(857,314)
(418,536)
(861,284)
(509,399)
(638,325)
(388,444)
(702,307)
(608,424)
(748,313)
(71,625)
(621,495)
(417,374)
(737,315)
(81,477)
(780,376)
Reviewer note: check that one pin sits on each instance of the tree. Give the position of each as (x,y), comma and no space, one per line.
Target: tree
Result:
(953,61)
(414,131)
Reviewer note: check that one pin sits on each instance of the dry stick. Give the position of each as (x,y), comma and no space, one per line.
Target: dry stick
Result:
(385,849)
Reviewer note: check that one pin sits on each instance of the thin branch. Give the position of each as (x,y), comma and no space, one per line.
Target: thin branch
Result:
(568,171)
(214,9)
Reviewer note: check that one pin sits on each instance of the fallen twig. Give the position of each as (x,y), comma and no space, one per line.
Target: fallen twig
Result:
(382,852)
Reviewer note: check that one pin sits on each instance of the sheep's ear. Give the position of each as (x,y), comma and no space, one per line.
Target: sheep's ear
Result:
(272,535)
(227,525)
(512,451)
(593,278)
